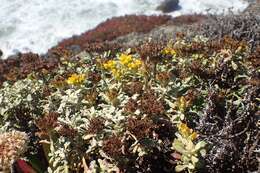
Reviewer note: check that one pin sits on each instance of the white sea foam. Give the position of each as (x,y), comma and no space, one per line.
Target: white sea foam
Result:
(37,25)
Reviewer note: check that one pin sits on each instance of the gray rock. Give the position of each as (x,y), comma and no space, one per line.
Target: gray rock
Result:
(75,48)
(1,53)
(168,6)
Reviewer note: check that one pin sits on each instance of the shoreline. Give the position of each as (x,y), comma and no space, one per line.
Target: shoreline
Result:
(251,6)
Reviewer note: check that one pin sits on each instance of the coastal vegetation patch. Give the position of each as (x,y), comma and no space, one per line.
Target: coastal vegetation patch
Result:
(187,106)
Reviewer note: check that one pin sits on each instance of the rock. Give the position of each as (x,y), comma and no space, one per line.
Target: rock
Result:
(1,53)
(168,6)
(75,49)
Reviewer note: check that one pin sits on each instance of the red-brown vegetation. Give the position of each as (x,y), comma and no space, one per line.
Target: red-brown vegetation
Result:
(19,66)
(115,27)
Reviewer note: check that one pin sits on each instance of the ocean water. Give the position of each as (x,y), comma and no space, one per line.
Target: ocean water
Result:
(37,25)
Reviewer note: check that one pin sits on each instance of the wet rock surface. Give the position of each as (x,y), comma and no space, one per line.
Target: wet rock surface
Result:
(168,6)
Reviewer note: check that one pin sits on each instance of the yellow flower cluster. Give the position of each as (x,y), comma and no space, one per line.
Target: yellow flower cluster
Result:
(129,62)
(111,64)
(125,59)
(117,73)
(125,63)
(169,51)
(182,104)
(76,79)
(135,64)
(186,132)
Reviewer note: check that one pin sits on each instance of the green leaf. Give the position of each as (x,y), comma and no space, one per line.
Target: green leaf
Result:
(147,142)
(190,166)
(189,145)
(178,146)
(194,160)
(180,168)
(200,145)
(234,65)
(203,152)
(88,136)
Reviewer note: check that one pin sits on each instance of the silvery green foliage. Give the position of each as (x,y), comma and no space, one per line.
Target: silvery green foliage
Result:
(102,166)
(75,112)
(64,101)
(22,94)
(59,151)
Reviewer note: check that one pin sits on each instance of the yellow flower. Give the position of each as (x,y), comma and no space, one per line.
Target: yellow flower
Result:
(169,51)
(138,62)
(194,136)
(135,64)
(182,104)
(184,129)
(111,64)
(116,73)
(76,79)
(125,59)
(186,132)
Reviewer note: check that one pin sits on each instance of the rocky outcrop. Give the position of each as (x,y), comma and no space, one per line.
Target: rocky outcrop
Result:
(168,6)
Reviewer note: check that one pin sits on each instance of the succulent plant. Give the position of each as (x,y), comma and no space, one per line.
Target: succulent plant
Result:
(190,152)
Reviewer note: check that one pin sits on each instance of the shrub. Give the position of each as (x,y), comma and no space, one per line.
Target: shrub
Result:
(21,65)
(240,27)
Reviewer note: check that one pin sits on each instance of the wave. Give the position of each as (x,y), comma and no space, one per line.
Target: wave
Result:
(36,25)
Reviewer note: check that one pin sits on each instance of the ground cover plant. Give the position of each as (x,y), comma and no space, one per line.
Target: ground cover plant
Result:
(115,27)
(190,105)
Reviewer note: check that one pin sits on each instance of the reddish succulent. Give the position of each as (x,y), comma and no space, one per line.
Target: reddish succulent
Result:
(150,104)
(164,77)
(94,77)
(113,147)
(115,27)
(48,122)
(151,51)
(20,65)
(131,106)
(96,125)
(140,128)
(255,57)
(67,131)
(135,87)
(200,71)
